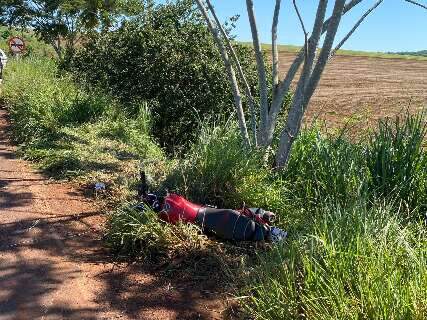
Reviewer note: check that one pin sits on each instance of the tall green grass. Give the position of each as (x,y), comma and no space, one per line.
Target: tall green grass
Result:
(214,167)
(397,160)
(43,102)
(324,168)
(356,263)
(74,132)
(142,234)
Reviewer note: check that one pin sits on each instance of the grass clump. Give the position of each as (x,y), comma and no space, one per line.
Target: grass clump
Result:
(355,263)
(214,167)
(134,232)
(357,247)
(397,161)
(326,168)
(42,102)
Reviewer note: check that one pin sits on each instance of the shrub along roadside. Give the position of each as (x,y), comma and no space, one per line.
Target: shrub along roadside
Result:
(167,57)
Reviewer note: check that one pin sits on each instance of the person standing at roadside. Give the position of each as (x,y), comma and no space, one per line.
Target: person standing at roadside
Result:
(1,71)
(3,60)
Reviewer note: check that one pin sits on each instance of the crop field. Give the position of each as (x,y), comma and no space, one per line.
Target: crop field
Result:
(362,89)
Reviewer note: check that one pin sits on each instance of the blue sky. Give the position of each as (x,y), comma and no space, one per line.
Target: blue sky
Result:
(394,26)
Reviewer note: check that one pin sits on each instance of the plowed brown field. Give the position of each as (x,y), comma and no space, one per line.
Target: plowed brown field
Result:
(363,89)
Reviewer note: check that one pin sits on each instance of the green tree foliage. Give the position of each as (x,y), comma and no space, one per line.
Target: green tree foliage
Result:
(167,56)
(62,23)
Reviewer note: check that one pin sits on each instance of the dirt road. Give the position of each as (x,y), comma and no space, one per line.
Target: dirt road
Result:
(53,265)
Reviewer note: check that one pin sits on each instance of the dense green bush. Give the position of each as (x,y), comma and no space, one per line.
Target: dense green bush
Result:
(167,57)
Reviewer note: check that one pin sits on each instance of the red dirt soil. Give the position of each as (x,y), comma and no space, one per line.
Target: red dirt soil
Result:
(364,89)
(53,265)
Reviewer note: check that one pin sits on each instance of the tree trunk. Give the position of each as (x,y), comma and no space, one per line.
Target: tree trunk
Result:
(264,105)
(289,134)
(306,87)
(230,72)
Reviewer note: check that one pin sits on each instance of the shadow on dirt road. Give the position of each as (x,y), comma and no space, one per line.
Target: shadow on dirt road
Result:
(53,264)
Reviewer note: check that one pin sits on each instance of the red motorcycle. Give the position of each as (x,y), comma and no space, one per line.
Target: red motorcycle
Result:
(246,224)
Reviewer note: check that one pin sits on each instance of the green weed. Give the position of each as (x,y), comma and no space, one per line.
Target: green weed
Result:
(397,161)
(137,233)
(357,263)
(72,133)
(214,167)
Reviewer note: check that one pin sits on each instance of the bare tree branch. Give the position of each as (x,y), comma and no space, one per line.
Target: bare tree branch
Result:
(318,29)
(310,49)
(230,71)
(358,23)
(301,21)
(300,101)
(350,5)
(274,49)
(316,34)
(417,3)
(261,71)
(239,70)
(293,69)
(327,46)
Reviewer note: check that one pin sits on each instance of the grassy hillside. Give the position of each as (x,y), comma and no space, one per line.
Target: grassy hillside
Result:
(414,53)
(404,55)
